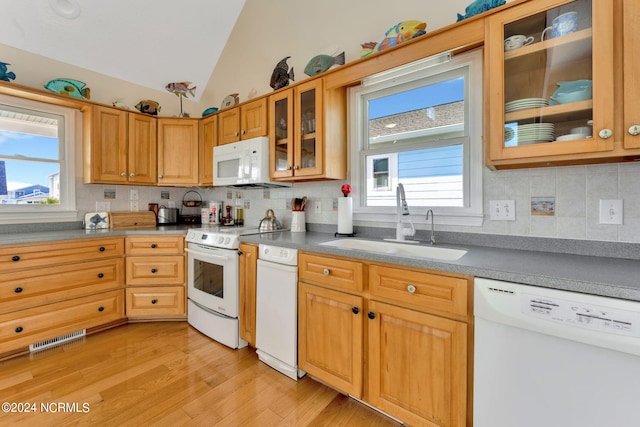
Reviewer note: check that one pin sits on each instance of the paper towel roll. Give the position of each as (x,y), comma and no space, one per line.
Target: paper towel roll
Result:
(345,215)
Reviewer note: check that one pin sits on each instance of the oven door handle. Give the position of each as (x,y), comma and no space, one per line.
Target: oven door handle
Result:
(222,257)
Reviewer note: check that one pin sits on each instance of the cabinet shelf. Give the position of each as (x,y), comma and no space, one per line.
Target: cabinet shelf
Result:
(562,49)
(556,113)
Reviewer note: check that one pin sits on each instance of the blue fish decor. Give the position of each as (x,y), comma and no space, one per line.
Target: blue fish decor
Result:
(5,75)
(478,7)
(69,87)
(321,63)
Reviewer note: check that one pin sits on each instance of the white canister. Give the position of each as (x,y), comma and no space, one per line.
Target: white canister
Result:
(215,212)
(298,222)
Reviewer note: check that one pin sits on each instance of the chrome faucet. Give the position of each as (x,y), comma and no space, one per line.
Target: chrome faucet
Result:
(404,227)
(433,236)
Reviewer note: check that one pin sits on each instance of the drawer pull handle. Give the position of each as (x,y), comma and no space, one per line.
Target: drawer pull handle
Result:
(326,271)
(17,290)
(355,310)
(371,315)
(153,246)
(153,270)
(100,275)
(15,258)
(411,289)
(153,301)
(101,308)
(19,329)
(102,249)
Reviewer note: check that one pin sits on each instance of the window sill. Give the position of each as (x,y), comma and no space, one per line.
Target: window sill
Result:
(468,220)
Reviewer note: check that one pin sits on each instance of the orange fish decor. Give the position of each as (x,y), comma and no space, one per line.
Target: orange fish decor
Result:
(401,32)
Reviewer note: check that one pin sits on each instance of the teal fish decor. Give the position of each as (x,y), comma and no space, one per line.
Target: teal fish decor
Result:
(69,87)
(321,63)
(6,75)
(478,7)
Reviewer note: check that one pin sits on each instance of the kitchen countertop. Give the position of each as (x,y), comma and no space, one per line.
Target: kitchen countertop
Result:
(610,277)
(604,276)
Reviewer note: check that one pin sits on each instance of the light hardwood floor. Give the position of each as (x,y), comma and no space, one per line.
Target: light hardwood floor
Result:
(166,374)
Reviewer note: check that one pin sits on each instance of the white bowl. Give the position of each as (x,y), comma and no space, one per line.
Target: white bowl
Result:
(581,129)
(571,137)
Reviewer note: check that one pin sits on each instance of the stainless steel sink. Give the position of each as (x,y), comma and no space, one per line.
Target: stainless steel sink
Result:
(398,249)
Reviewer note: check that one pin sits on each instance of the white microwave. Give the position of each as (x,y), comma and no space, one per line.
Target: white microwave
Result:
(243,164)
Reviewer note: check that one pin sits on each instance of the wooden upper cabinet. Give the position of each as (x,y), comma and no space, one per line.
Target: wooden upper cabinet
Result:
(308,133)
(177,151)
(208,136)
(528,121)
(143,149)
(246,121)
(631,92)
(121,148)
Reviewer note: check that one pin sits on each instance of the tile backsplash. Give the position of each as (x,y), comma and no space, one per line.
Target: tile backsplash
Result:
(576,190)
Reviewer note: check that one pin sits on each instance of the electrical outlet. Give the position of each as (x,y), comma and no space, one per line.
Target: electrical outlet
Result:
(502,210)
(317,206)
(133,205)
(611,212)
(133,194)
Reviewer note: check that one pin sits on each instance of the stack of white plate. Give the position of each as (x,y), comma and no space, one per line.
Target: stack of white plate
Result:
(523,104)
(535,132)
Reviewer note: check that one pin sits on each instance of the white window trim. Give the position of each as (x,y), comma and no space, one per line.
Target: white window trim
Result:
(470,215)
(66,210)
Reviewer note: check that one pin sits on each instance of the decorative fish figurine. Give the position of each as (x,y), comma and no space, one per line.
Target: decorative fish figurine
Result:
(401,32)
(5,75)
(209,111)
(321,63)
(180,88)
(479,6)
(120,104)
(148,106)
(281,75)
(69,87)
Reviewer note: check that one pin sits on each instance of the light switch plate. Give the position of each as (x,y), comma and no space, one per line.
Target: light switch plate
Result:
(611,212)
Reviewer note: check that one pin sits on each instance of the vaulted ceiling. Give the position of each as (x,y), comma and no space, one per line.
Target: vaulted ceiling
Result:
(145,42)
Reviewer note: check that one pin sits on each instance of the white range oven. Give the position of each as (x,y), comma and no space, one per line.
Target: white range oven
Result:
(213,282)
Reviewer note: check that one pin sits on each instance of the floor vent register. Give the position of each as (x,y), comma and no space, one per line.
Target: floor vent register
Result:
(43,345)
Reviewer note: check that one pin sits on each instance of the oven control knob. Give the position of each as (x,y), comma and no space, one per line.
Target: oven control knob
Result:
(220,239)
(227,240)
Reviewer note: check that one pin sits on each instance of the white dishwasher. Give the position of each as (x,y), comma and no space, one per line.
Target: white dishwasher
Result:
(277,309)
(545,357)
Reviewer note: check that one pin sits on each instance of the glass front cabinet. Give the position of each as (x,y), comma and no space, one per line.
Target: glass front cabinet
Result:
(551,83)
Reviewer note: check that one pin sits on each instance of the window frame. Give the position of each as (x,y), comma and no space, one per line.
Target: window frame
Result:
(67,135)
(471,214)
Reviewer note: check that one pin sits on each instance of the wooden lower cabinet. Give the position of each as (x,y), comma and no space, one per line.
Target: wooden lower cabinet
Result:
(417,366)
(400,344)
(155,278)
(24,327)
(330,334)
(248,279)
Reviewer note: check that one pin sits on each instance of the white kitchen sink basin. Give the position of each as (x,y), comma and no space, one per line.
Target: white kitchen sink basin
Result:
(398,249)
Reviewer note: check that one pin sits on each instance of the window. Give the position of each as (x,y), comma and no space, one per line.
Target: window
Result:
(419,125)
(36,160)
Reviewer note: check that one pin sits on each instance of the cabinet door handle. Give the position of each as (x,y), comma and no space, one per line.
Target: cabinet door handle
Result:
(17,290)
(101,308)
(123,174)
(15,258)
(243,131)
(153,246)
(235,134)
(132,175)
(160,176)
(605,133)
(411,289)
(153,270)
(100,275)
(371,315)
(19,329)
(296,167)
(326,272)
(153,301)
(634,130)
(102,249)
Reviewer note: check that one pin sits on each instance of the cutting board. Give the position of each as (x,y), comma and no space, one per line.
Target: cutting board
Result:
(132,219)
